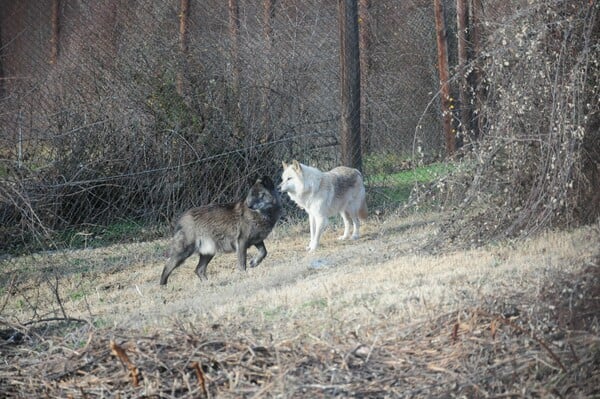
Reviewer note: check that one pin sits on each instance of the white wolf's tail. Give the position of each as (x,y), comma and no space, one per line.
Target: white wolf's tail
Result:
(362,212)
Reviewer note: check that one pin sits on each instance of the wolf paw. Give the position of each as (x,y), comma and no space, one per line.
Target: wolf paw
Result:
(342,238)
(202,275)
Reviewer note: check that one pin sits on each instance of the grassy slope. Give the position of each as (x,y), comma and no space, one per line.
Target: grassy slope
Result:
(381,292)
(378,295)
(380,275)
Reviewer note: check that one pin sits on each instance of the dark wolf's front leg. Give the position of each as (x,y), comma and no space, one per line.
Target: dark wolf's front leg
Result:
(242,247)
(202,263)
(262,253)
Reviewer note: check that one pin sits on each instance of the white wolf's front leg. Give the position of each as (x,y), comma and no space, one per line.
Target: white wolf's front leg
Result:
(311,220)
(320,224)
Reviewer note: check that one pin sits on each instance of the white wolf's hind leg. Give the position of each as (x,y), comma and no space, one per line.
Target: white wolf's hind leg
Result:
(346,217)
(355,227)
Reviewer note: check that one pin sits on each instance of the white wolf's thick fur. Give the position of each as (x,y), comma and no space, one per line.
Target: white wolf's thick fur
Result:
(323,194)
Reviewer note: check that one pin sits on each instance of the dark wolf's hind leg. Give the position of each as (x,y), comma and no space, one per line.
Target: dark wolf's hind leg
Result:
(262,253)
(178,256)
(202,263)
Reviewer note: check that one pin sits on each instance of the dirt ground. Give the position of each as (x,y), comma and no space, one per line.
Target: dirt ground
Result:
(376,317)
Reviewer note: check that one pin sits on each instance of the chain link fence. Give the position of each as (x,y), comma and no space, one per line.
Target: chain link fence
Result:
(117,110)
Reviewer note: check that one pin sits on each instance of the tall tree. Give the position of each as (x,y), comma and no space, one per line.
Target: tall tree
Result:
(446,100)
(476,13)
(1,65)
(465,92)
(364,32)
(350,84)
(234,32)
(184,12)
(268,15)
(55,28)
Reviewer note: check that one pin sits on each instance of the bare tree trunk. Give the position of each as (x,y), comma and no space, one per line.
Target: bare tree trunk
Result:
(476,12)
(465,93)
(364,18)
(184,11)
(113,19)
(463,90)
(1,65)
(268,15)
(442,47)
(234,31)
(55,27)
(350,84)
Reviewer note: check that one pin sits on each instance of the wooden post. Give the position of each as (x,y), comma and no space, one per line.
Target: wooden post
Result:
(442,47)
(350,84)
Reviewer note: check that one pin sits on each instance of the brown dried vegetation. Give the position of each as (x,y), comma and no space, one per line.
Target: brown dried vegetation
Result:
(514,321)
(538,164)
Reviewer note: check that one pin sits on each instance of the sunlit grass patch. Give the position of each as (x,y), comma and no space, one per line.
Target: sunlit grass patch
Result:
(389,189)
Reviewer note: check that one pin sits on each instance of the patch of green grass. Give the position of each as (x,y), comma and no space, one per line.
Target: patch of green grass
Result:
(422,174)
(77,295)
(272,313)
(118,230)
(320,303)
(95,236)
(386,163)
(387,189)
(101,323)
(79,265)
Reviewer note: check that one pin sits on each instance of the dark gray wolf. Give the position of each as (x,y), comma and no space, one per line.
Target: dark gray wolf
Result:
(211,229)
(323,194)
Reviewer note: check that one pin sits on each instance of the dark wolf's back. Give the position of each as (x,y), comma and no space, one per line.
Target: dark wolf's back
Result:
(210,229)
(219,222)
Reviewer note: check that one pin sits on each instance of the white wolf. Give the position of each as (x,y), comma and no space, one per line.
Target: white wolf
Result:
(323,194)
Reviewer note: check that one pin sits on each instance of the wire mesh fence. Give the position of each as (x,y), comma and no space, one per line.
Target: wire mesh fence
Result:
(142,109)
(116,113)
(116,110)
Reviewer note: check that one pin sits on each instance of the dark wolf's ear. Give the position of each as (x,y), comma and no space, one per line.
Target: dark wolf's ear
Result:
(266,182)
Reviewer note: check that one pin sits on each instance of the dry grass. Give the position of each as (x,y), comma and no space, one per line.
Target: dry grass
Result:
(372,318)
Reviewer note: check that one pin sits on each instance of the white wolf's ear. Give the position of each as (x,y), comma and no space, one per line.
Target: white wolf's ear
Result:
(296,166)
(284,164)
